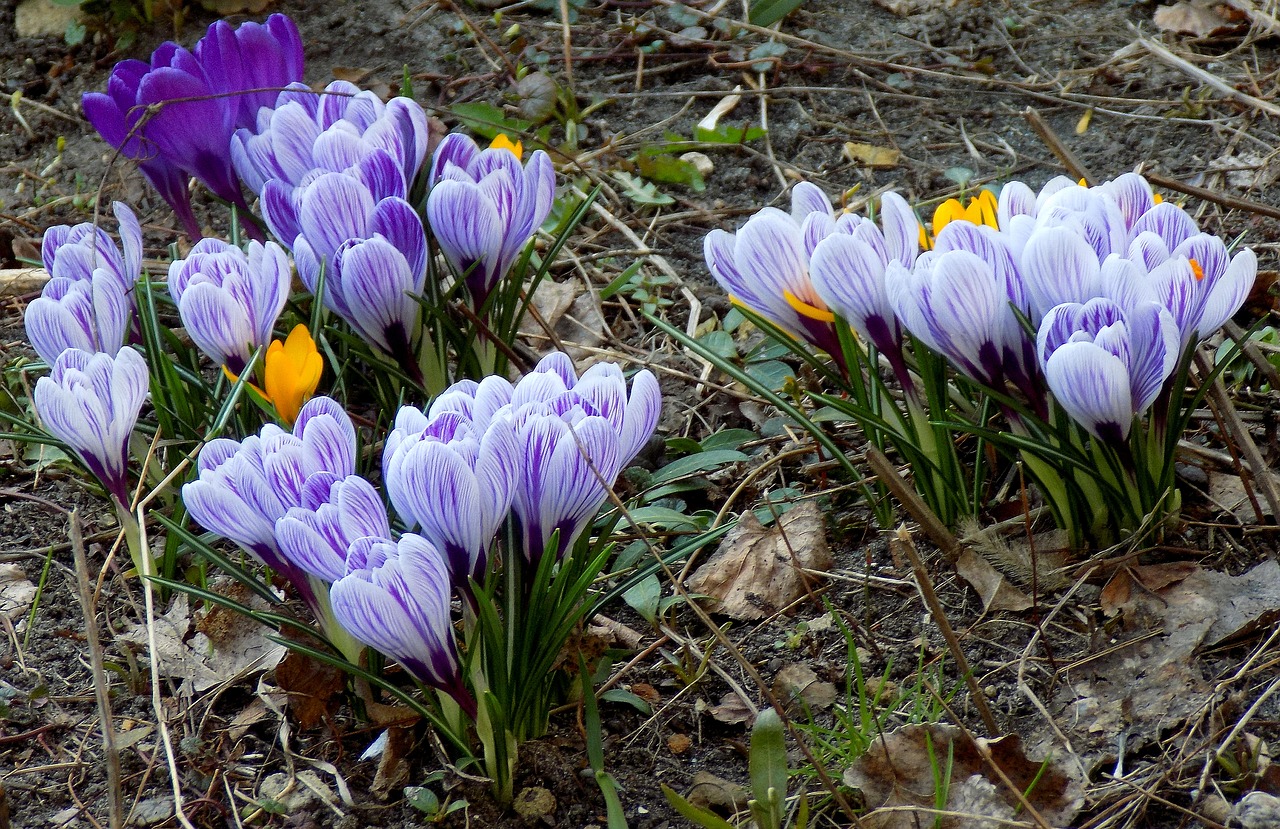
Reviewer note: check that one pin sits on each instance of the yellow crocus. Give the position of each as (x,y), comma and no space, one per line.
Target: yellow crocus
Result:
(502,142)
(981,210)
(291,372)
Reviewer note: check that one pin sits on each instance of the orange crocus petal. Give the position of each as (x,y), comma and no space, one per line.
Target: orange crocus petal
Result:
(502,142)
(814,312)
(947,212)
(292,372)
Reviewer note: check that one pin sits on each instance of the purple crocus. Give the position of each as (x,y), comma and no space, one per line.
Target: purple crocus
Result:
(373,255)
(1104,363)
(484,207)
(455,481)
(336,131)
(176,115)
(88,302)
(394,597)
(245,487)
(91,402)
(334,513)
(252,62)
(575,434)
(229,300)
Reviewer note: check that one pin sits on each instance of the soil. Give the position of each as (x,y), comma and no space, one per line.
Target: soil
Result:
(944,86)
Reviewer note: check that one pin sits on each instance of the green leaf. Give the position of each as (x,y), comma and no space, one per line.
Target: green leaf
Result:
(768,12)
(669,169)
(701,462)
(701,817)
(764,53)
(656,516)
(643,598)
(728,439)
(721,342)
(768,764)
(487,120)
(627,698)
(642,192)
(728,134)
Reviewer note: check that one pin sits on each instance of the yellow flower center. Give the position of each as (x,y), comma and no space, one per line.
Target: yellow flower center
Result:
(817,312)
(502,142)
(1196,269)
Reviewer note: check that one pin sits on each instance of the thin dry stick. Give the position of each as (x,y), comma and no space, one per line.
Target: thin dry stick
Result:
(1239,432)
(1216,196)
(904,543)
(115,799)
(914,505)
(1051,140)
(1207,78)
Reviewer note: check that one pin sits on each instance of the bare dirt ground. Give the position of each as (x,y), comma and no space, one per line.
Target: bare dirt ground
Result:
(1168,730)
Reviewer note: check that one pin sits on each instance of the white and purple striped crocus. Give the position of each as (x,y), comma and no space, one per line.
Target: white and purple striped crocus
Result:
(334,513)
(88,302)
(229,300)
(574,435)
(1106,364)
(395,597)
(959,304)
(245,487)
(765,266)
(176,115)
(484,207)
(454,479)
(303,133)
(373,254)
(91,402)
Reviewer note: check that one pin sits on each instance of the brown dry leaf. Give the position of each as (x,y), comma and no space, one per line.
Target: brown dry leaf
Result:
(550,302)
(646,692)
(17,592)
(869,155)
(716,793)
(1198,18)
(234,648)
(906,8)
(393,768)
(679,743)
(994,589)
(1118,592)
(797,683)
(1228,493)
(732,710)
(1152,685)
(311,686)
(754,571)
(899,771)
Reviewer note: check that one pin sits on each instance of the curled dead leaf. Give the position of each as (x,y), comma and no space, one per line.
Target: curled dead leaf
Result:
(993,588)
(899,770)
(1200,18)
(757,571)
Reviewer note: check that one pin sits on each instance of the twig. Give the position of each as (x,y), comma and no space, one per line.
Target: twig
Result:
(914,505)
(1207,78)
(904,543)
(1214,196)
(1051,140)
(1258,468)
(115,801)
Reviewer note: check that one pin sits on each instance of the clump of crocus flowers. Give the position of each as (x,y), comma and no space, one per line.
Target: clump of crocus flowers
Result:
(1090,300)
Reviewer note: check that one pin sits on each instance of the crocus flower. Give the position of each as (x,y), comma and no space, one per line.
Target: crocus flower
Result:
(291,372)
(333,514)
(252,62)
(574,435)
(176,115)
(373,255)
(244,487)
(958,304)
(453,480)
(394,597)
(229,301)
(1106,364)
(484,207)
(88,302)
(91,402)
(337,130)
